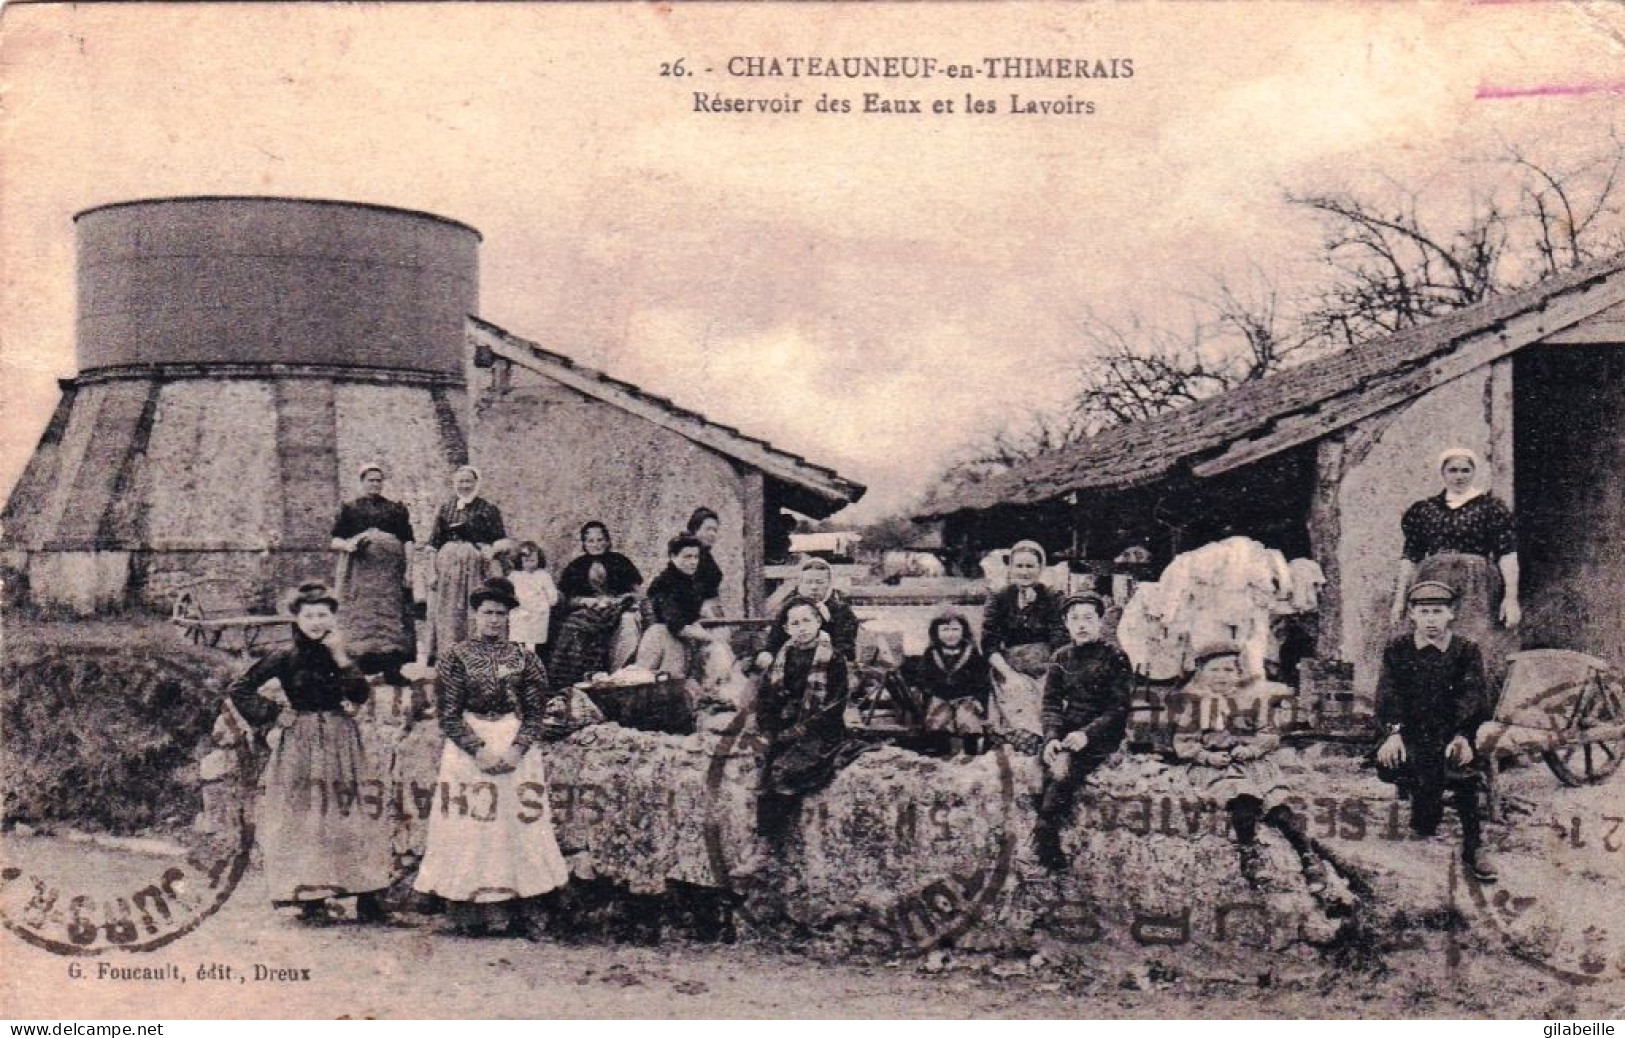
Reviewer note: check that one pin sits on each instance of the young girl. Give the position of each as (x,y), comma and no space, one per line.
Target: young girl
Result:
(801,711)
(537,595)
(955,680)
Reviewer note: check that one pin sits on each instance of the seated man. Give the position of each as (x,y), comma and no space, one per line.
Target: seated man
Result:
(1431,698)
(1085,714)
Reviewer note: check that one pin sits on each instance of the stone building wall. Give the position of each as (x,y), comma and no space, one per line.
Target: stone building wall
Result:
(552,459)
(1386,463)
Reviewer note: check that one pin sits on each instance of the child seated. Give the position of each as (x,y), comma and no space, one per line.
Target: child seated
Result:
(1085,714)
(953,678)
(801,710)
(1225,735)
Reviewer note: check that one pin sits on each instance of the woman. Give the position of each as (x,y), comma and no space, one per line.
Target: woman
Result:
(490,861)
(374,536)
(1021,627)
(1466,539)
(465,530)
(600,629)
(704,526)
(675,641)
(315,845)
(801,711)
(953,677)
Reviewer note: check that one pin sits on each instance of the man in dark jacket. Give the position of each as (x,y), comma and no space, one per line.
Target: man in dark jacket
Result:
(1431,698)
(1085,714)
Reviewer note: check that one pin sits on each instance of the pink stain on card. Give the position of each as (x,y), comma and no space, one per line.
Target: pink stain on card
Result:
(1500,93)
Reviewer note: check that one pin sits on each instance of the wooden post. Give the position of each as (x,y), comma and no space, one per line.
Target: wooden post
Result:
(1325,521)
(753,504)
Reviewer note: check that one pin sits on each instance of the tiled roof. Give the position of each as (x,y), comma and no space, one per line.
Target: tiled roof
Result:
(1142,452)
(815,489)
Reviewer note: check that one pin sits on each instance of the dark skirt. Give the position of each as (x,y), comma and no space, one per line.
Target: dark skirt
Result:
(807,763)
(1479,587)
(321,824)
(376,604)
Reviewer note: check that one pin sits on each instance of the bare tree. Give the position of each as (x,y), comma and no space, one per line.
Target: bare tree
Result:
(1234,334)
(1571,215)
(1396,258)
(1393,269)
(1397,262)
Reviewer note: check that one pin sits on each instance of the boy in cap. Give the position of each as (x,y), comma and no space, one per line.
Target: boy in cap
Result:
(1085,714)
(1431,698)
(1226,735)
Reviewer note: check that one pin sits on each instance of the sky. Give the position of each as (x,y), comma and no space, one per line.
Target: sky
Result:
(870,291)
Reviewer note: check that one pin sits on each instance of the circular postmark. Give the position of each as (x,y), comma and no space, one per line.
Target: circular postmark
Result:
(119,717)
(920,917)
(1559,902)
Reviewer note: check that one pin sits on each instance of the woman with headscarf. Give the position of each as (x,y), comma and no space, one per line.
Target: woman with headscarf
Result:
(466,530)
(494,850)
(316,845)
(599,630)
(1465,538)
(374,536)
(705,526)
(1021,628)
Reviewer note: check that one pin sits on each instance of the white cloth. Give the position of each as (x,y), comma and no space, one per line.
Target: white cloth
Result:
(1223,591)
(491,836)
(1307,580)
(537,596)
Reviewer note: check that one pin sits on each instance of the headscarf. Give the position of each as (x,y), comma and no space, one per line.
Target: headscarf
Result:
(1452,500)
(463,502)
(1026,595)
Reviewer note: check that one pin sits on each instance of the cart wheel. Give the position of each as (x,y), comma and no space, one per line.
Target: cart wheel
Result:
(1599,704)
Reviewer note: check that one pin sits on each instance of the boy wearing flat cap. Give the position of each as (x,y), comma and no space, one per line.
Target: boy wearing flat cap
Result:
(1431,698)
(1085,714)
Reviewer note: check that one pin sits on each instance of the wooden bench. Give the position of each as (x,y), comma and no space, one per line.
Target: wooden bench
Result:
(206,610)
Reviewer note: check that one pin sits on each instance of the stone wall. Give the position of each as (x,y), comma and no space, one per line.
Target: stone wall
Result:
(901,854)
(552,459)
(154,484)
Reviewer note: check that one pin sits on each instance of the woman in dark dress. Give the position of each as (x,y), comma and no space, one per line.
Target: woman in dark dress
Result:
(1021,628)
(315,846)
(705,526)
(466,530)
(599,628)
(1465,538)
(374,536)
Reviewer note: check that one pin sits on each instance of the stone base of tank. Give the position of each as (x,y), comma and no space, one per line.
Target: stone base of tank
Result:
(901,854)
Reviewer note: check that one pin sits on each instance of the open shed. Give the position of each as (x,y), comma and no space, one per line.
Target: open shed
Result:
(1322,460)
